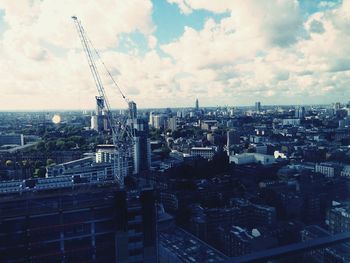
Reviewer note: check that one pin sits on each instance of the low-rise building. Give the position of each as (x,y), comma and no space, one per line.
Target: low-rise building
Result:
(249,158)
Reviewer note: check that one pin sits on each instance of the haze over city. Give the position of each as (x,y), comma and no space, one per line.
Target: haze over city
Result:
(167,53)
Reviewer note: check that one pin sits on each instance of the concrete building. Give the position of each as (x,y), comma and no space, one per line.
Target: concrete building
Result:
(346,171)
(142,146)
(204,152)
(333,254)
(300,113)
(105,153)
(233,138)
(290,122)
(172,123)
(249,158)
(338,219)
(239,241)
(87,222)
(11,139)
(157,120)
(329,169)
(178,246)
(98,119)
(132,110)
(258,106)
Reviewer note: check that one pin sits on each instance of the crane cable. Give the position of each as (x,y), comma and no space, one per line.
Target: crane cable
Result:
(107,70)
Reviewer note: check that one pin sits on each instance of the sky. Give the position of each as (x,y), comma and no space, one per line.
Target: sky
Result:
(167,53)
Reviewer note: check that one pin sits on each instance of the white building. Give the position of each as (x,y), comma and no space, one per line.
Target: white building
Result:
(345,171)
(328,169)
(293,122)
(205,152)
(247,158)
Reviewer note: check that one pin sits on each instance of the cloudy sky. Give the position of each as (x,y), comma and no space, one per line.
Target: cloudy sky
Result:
(170,52)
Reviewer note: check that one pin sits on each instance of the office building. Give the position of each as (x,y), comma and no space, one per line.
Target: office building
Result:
(300,113)
(334,254)
(249,158)
(258,106)
(176,246)
(290,122)
(105,153)
(233,138)
(72,221)
(172,124)
(329,169)
(338,219)
(132,110)
(197,105)
(11,139)
(204,152)
(142,146)
(98,119)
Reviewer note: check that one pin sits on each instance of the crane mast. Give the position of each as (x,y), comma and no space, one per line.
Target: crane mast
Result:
(121,147)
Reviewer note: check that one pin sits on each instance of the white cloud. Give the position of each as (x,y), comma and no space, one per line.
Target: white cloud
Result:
(260,50)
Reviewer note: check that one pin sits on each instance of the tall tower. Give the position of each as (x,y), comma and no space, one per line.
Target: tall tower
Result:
(233,137)
(197,105)
(132,110)
(141,147)
(257,106)
(97,119)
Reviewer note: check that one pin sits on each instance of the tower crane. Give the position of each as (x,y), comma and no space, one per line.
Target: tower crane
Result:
(122,144)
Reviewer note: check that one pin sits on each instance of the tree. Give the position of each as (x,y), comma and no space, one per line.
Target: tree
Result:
(38,164)
(40,146)
(49,162)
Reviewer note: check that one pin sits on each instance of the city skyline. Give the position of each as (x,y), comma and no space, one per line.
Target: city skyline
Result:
(168,53)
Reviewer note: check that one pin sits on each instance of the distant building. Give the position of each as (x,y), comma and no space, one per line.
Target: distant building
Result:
(300,113)
(329,169)
(233,138)
(207,124)
(105,153)
(142,146)
(157,120)
(258,106)
(248,158)
(172,123)
(290,122)
(338,219)
(11,139)
(60,169)
(204,152)
(132,110)
(177,246)
(197,105)
(346,171)
(238,241)
(98,119)
(333,254)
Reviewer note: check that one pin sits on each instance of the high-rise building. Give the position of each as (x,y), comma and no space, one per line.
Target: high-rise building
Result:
(300,112)
(98,119)
(197,105)
(142,146)
(76,222)
(172,123)
(158,121)
(257,106)
(132,110)
(233,137)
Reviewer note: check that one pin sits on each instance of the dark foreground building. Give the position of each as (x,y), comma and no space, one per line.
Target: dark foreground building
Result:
(81,223)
